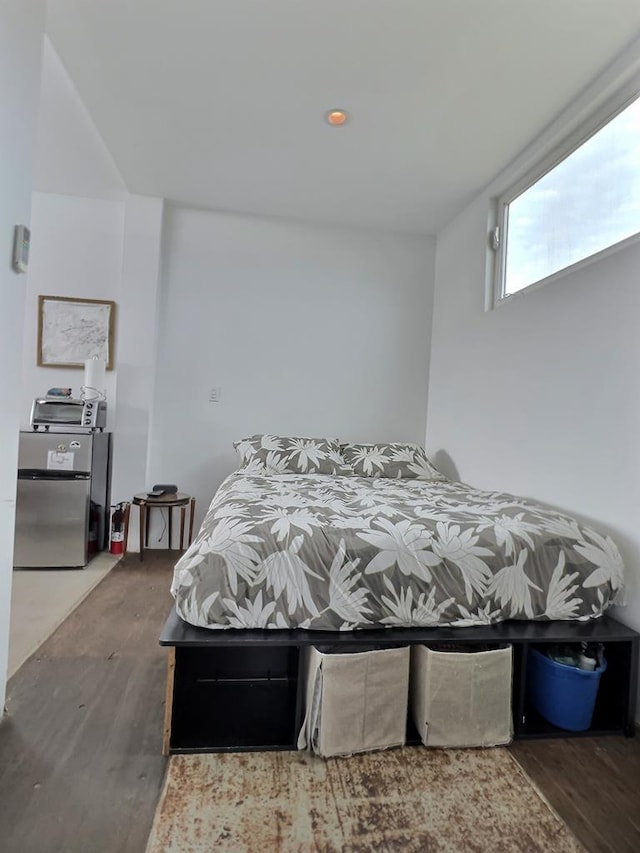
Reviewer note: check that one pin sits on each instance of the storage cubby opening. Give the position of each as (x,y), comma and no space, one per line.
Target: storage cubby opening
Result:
(245,715)
(611,704)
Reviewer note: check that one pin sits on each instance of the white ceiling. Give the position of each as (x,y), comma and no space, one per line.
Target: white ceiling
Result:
(220,103)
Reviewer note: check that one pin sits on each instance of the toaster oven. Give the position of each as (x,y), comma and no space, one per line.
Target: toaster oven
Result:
(68,413)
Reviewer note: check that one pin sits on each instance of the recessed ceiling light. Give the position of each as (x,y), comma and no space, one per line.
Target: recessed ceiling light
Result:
(336,117)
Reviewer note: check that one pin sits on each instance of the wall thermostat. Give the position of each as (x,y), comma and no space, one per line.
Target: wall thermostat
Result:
(21,238)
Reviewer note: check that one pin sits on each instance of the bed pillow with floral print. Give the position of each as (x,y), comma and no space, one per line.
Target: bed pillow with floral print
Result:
(390,459)
(275,454)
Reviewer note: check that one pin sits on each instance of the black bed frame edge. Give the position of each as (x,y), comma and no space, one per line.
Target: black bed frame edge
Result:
(219,679)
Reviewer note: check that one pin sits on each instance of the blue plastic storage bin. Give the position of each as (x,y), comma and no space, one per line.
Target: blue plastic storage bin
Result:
(563,695)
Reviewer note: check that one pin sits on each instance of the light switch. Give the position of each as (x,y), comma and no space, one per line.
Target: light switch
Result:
(215,394)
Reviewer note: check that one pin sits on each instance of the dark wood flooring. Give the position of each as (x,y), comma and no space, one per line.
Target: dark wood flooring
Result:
(80,750)
(593,784)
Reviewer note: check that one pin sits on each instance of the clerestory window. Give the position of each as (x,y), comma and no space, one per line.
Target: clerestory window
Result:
(584,203)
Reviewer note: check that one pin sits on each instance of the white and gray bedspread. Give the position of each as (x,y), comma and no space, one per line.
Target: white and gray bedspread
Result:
(336,553)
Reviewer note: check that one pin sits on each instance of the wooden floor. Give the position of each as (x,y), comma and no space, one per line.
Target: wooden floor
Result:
(593,784)
(80,751)
(80,762)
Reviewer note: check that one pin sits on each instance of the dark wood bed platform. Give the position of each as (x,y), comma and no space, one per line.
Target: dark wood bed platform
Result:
(242,690)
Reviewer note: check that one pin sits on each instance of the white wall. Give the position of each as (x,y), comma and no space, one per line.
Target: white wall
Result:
(541,395)
(76,251)
(21,28)
(94,248)
(136,347)
(71,158)
(91,239)
(308,330)
(77,223)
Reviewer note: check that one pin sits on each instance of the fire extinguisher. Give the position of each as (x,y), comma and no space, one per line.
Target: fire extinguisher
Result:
(117,529)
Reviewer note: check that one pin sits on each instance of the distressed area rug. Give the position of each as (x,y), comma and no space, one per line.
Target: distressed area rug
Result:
(408,799)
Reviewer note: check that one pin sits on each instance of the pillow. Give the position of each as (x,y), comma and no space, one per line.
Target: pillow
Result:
(275,454)
(390,459)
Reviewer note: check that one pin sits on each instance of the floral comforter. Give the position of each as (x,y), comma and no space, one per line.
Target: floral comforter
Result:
(337,553)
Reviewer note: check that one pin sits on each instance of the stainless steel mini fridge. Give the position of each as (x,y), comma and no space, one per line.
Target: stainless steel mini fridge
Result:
(62,503)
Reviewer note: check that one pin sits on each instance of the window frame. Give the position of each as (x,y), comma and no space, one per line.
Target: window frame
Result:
(499,205)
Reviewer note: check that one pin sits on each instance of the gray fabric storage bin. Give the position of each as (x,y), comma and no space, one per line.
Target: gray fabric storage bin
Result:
(355,702)
(461,698)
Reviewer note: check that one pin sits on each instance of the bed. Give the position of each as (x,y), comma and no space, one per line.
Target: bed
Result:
(346,550)
(311,543)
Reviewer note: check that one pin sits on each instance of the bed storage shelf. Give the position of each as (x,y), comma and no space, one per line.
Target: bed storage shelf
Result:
(229,700)
(234,690)
(614,708)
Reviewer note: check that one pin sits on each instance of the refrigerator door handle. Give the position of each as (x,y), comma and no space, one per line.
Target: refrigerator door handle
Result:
(43,474)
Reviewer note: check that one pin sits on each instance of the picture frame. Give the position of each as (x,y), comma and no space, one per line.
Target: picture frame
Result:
(72,330)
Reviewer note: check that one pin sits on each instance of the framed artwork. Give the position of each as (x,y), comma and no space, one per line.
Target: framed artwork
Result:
(73,330)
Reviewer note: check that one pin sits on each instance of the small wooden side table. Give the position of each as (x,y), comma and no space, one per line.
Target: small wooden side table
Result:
(168,501)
